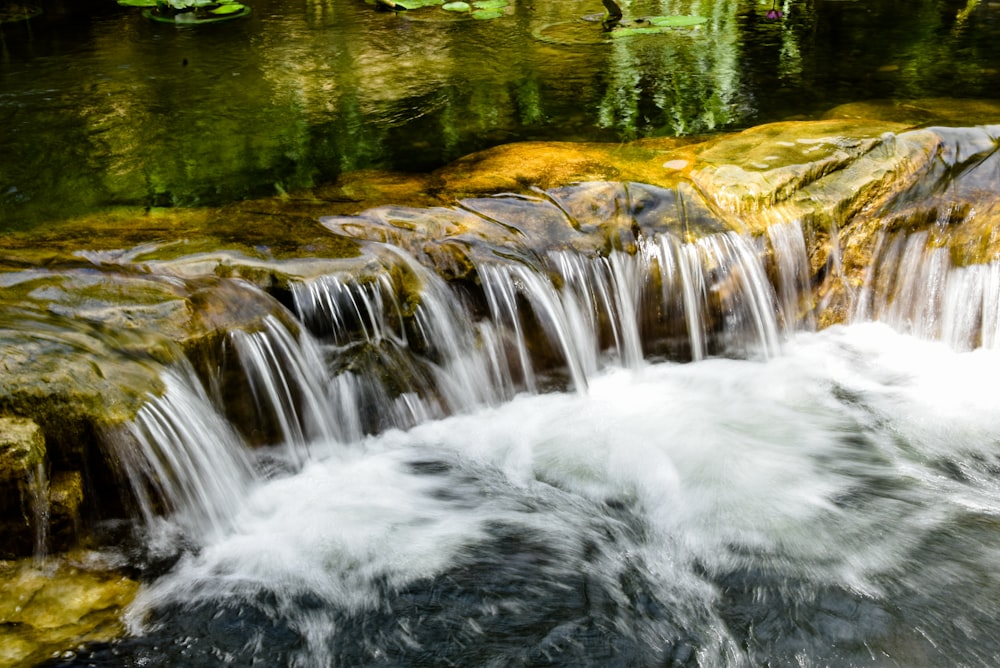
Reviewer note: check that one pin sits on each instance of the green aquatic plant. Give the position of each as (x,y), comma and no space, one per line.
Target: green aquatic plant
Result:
(477,9)
(409,4)
(653,25)
(189,12)
(614,25)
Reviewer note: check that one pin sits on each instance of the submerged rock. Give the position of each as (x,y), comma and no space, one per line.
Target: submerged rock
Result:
(929,111)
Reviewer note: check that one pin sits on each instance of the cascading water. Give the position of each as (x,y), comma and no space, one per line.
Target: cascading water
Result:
(914,287)
(35,491)
(180,452)
(288,382)
(792,497)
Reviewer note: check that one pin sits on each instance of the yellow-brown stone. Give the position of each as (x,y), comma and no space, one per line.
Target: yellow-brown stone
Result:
(49,608)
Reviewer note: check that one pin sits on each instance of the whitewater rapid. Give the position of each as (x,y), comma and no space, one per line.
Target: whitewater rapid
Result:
(834,505)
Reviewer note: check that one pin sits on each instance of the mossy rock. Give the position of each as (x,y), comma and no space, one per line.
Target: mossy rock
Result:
(22,448)
(824,169)
(23,464)
(524,166)
(82,351)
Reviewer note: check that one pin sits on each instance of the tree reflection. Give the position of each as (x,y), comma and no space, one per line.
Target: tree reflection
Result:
(123,111)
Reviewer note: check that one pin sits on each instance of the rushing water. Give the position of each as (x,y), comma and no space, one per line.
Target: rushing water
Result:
(788,497)
(832,506)
(99,106)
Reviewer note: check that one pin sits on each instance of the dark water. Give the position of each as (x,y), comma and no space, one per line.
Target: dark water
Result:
(100,106)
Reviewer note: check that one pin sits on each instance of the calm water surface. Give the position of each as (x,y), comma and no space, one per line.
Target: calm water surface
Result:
(100,106)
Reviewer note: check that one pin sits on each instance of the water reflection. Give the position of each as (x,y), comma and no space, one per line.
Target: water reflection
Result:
(105,107)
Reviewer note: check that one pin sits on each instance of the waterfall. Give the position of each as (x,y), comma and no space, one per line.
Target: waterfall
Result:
(791,260)
(681,281)
(630,445)
(598,311)
(397,345)
(565,325)
(36,490)
(180,455)
(443,496)
(289,383)
(913,286)
(407,326)
(607,288)
(720,285)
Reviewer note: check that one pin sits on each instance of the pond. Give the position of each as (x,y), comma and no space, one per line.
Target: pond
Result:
(100,106)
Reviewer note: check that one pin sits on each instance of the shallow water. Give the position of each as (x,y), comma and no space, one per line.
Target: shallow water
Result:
(836,505)
(100,106)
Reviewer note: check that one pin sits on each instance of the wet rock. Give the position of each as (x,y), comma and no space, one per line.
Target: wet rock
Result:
(46,609)
(22,484)
(949,203)
(93,309)
(65,504)
(524,166)
(22,448)
(821,169)
(83,350)
(593,217)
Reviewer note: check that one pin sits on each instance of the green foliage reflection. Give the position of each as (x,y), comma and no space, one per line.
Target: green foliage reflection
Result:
(134,113)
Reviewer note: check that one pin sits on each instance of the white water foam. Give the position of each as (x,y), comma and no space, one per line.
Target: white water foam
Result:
(824,465)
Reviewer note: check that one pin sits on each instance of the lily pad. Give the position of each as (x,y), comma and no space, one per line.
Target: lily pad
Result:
(490,4)
(628,31)
(417,4)
(457,7)
(655,25)
(228,8)
(137,3)
(485,14)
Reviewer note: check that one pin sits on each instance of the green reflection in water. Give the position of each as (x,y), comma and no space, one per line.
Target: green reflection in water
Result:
(109,108)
